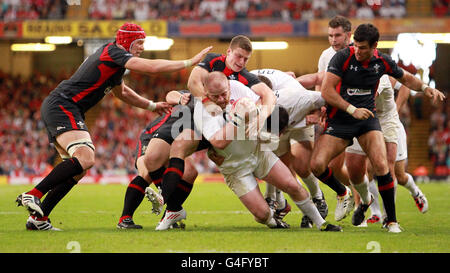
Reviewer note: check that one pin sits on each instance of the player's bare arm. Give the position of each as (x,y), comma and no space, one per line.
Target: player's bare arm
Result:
(195,81)
(334,99)
(222,138)
(130,97)
(402,95)
(160,65)
(268,99)
(414,83)
(312,80)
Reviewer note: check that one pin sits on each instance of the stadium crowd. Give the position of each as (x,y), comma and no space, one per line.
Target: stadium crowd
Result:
(214,10)
(439,139)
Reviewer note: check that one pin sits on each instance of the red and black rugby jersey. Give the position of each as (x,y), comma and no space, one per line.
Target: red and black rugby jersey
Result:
(359,80)
(216,62)
(95,77)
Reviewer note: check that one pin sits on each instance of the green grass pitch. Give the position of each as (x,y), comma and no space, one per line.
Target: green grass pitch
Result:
(216,222)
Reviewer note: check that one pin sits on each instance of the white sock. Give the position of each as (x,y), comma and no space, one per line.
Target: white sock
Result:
(375,206)
(270,191)
(309,209)
(411,186)
(281,200)
(313,186)
(363,190)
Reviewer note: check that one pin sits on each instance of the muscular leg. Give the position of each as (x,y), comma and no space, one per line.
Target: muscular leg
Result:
(183,146)
(327,148)
(374,146)
(302,152)
(280,177)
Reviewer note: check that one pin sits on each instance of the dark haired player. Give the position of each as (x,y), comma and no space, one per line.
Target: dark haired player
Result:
(349,88)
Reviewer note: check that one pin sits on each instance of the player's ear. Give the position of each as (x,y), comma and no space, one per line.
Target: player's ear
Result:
(375,45)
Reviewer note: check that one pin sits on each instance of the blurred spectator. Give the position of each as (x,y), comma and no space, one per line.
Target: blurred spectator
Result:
(439,140)
(212,10)
(364,12)
(440,8)
(11,10)
(25,149)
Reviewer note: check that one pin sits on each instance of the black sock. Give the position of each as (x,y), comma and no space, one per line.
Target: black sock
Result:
(60,174)
(180,194)
(133,196)
(157,176)
(56,194)
(328,178)
(172,176)
(387,192)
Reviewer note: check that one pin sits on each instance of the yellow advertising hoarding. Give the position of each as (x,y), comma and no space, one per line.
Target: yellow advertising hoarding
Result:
(86,29)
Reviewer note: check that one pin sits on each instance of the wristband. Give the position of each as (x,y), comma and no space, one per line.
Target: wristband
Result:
(424,86)
(397,85)
(151,105)
(187,63)
(350,109)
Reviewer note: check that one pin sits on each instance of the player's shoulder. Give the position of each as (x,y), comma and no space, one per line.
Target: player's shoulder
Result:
(210,59)
(237,85)
(329,51)
(214,56)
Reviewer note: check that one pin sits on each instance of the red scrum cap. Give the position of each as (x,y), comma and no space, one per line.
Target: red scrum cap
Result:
(128,33)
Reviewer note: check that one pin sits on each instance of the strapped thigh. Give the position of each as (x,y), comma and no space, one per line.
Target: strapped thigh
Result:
(74,145)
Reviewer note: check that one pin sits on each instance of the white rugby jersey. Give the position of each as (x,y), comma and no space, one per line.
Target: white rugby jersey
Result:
(325,58)
(281,82)
(385,100)
(298,104)
(240,154)
(278,78)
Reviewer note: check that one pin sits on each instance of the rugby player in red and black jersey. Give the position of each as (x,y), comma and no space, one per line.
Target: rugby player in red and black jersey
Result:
(232,64)
(349,89)
(63,114)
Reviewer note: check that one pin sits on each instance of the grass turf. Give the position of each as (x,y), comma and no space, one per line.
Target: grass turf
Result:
(216,222)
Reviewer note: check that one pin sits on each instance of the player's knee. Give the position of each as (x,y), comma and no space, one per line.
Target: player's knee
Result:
(154,160)
(304,171)
(380,167)
(317,167)
(262,215)
(86,157)
(83,150)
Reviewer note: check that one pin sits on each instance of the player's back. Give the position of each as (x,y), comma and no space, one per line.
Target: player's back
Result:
(96,76)
(278,78)
(298,104)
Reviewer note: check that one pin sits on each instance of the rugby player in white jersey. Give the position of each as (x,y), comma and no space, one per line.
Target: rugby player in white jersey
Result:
(243,160)
(339,33)
(296,144)
(403,178)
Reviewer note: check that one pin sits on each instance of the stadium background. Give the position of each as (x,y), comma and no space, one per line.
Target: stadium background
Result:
(26,77)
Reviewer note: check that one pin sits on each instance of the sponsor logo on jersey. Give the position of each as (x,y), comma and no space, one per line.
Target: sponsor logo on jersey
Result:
(358,92)
(376,66)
